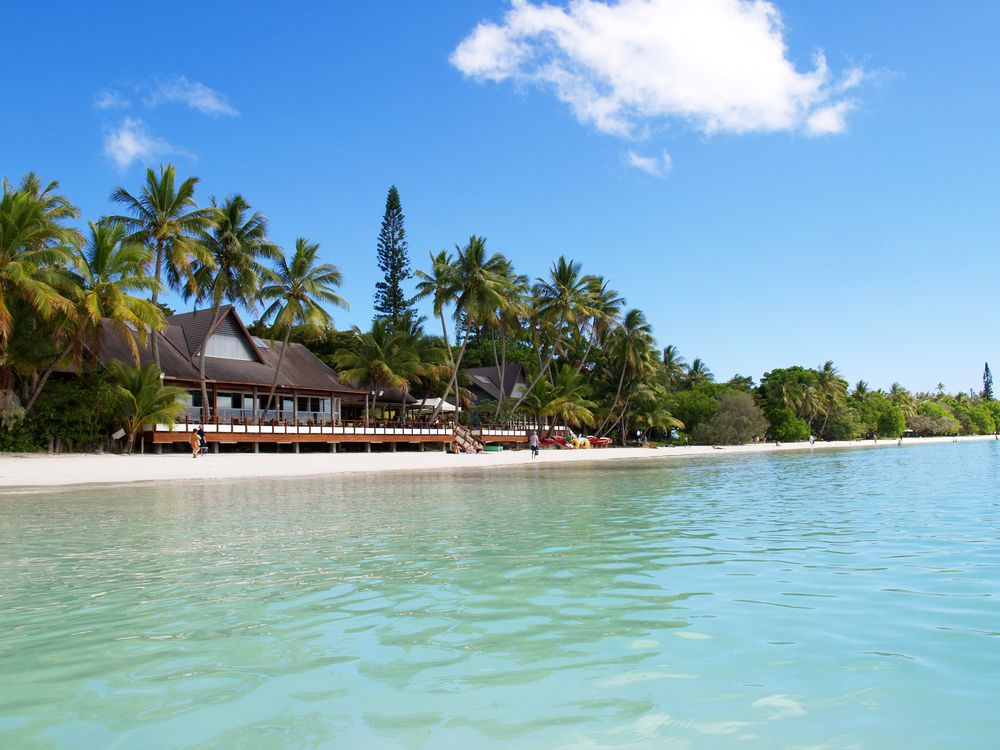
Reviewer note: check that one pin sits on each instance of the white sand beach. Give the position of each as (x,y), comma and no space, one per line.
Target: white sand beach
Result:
(19,471)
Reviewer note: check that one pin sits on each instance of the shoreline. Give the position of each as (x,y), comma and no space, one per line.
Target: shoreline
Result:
(33,472)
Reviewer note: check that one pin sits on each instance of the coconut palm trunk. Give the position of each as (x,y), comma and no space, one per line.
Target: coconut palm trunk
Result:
(277,369)
(205,415)
(618,393)
(155,299)
(454,373)
(37,390)
(503,371)
(537,380)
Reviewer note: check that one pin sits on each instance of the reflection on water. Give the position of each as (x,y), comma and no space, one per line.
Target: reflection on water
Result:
(835,600)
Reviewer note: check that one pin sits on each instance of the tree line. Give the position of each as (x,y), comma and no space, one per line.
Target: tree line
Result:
(590,361)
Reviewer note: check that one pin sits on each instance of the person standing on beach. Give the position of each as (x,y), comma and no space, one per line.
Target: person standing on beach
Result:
(533,442)
(195,444)
(202,442)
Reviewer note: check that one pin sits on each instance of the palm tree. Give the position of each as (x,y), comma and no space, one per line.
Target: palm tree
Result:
(297,290)
(792,395)
(903,399)
(630,348)
(861,390)
(440,285)
(511,310)
(163,217)
(674,366)
(651,411)
(380,358)
(811,403)
(698,373)
(232,271)
(111,273)
(33,249)
(435,366)
(142,399)
(565,399)
(563,299)
(605,307)
(832,388)
(478,288)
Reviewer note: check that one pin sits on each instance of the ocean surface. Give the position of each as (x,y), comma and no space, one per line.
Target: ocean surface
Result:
(835,600)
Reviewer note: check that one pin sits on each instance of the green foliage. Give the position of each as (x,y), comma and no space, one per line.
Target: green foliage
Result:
(738,420)
(879,415)
(77,412)
(697,405)
(976,418)
(891,422)
(391,303)
(141,399)
(844,423)
(933,418)
(785,425)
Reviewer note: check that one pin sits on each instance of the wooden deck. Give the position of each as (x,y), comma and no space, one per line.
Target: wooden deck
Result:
(237,430)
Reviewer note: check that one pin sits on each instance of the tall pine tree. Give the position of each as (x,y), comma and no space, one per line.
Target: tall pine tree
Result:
(391,303)
(987,383)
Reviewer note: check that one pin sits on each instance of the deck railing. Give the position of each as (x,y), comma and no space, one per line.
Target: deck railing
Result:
(315,424)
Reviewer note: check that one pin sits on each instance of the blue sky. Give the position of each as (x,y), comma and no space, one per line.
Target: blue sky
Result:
(801,215)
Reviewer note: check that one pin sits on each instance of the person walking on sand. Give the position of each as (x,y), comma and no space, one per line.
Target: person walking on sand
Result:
(202,442)
(195,444)
(533,443)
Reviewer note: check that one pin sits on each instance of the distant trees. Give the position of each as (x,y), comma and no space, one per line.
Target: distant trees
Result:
(588,360)
(391,302)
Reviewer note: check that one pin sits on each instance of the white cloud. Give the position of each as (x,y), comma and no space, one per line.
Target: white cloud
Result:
(829,120)
(719,65)
(651,165)
(196,95)
(108,99)
(131,141)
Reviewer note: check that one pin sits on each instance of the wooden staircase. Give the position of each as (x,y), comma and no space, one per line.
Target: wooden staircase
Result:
(465,440)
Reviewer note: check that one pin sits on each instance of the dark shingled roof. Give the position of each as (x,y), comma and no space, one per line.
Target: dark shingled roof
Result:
(484,382)
(196,326)
(182,339)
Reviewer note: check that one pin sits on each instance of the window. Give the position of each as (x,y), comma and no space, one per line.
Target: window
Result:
(228,346)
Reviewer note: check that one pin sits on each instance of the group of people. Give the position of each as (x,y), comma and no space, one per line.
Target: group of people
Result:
(198,443)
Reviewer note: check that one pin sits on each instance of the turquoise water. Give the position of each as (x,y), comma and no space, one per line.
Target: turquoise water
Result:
(838,600)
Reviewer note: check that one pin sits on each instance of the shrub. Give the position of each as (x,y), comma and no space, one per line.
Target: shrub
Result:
(737,420)
(786,426)
(844,423)
(933,419)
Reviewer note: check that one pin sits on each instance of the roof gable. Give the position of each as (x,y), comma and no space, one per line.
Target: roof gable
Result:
(198,329)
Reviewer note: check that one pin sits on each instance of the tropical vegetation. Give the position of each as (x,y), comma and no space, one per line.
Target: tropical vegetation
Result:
(589,361)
